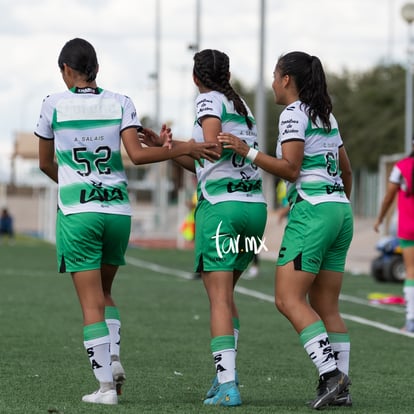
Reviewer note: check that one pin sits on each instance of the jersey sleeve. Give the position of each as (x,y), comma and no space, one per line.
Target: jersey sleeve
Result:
(208,104)
(44,124)
(395,175)
(129,116)
(292,125)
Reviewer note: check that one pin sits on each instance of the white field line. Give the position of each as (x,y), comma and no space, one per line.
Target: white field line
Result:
(269,298)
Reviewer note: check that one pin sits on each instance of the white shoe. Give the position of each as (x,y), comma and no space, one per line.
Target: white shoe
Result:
(98,397)
(118,374)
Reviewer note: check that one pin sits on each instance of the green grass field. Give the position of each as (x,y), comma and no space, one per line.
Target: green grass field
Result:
(165,342)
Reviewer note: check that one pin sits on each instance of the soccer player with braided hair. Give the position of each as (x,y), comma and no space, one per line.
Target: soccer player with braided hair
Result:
(230,216)
(311,157)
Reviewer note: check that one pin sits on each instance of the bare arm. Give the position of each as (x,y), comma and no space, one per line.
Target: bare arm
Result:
(287,167)
(211,127)
(145,155)
(152,139)
(346,171)
(392,190)
(47,163)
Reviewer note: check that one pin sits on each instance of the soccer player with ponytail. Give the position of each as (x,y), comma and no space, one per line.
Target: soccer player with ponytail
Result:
(311,157)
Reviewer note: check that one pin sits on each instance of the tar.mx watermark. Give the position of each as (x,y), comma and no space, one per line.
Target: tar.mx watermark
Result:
(227,244)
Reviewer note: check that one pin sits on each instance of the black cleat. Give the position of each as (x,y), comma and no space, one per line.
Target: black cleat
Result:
(331,390)
(343,399)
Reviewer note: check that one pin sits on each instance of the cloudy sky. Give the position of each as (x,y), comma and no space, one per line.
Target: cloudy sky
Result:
(346,34)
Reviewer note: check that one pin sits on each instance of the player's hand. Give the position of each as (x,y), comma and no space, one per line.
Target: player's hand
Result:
(151,139)
(377,225)
(201,151)
(166,136)
(230,141)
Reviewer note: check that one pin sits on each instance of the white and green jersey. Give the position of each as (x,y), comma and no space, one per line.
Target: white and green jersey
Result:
(320,177)
(232,177)
(85,125)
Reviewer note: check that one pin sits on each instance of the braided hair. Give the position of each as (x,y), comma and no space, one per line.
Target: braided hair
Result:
(309,76)
(80,56)
(211,67)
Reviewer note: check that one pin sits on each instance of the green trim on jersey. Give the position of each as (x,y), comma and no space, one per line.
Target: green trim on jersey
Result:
(82,123)
(313,162)
(226,154)
(311,130)
(235,117)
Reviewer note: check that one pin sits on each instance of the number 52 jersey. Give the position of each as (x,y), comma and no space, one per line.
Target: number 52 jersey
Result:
(86,126)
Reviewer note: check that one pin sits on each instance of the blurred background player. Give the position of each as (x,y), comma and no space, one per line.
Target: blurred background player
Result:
(401,186)
(6,225)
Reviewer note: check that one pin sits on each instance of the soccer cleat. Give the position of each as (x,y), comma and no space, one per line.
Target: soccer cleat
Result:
(118,374)
(343,399)
(215,386)
(329,389)
(227,395)
(98,397)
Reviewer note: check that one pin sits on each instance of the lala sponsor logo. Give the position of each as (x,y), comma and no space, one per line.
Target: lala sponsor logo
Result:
(227,244)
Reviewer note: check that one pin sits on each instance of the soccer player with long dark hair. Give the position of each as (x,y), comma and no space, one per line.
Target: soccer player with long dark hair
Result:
(80,133)
(311,157)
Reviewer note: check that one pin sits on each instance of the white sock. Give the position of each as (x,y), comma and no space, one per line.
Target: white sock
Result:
(98,350)
(114,326)
(236,339)
(341,348)
(409,302)
(225,362)
(320,352)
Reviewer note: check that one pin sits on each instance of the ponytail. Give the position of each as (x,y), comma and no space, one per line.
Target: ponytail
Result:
(309,76)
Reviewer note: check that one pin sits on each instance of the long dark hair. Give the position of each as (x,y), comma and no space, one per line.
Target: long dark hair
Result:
(309,76)
(211,67)
(80,55)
